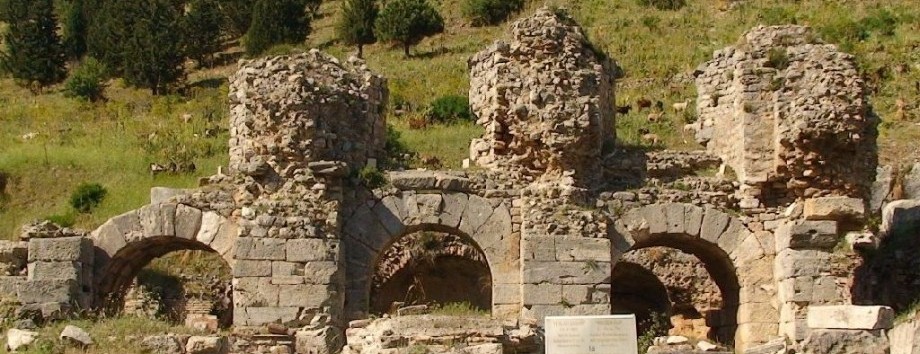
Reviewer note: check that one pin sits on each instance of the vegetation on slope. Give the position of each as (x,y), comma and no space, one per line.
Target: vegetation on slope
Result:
(113,142)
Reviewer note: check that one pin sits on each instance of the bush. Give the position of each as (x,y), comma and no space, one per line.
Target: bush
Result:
(490,12)
(664,4)
(64,220)
(778,58)
(372,177)
(449,109)
(881,21)
(87,80)
(398,154)
(87,196)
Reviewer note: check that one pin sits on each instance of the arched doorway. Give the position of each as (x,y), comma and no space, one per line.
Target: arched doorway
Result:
(128,243)
(732,255)
(434,268)
(480,223)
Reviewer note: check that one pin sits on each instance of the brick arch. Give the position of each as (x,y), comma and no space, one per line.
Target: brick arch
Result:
(735,257)
(128,242)
(371,228)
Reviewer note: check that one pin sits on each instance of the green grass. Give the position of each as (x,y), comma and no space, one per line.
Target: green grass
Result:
(108,143)
(459,309)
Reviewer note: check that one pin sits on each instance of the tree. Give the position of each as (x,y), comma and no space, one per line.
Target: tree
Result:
(152,51)
(237,15)
(110,24)
(276,22)
(202,26)
(75,28)
(407,22)
(356,26)
(34,54)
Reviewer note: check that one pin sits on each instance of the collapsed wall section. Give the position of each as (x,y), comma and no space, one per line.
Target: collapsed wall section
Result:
(789,115)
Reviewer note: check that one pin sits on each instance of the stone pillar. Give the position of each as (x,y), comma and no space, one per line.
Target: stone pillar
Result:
(59,275)
(566,256)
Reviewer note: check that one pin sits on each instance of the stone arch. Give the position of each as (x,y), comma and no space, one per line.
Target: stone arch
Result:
(126,243)
(737,259)
(486,223)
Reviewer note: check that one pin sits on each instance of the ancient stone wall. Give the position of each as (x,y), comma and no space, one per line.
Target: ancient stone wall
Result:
(789,115)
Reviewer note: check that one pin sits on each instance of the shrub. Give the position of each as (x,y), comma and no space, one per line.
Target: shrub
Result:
(64,220)
(490,12)
(881,21)
(397,153)
(778,58)
(449,109)
(407,22)
(87,80)
(664,4)
(87,196)
(372,177)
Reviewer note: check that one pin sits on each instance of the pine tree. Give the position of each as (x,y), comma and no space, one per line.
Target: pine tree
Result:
(237,15)
(34,54)
(110,23)
(152,51)
(407,22)
(276,22)
(75,30)
(356,26)
(202,26)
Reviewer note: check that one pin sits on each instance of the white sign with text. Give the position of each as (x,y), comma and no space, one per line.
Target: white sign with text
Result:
(612,334)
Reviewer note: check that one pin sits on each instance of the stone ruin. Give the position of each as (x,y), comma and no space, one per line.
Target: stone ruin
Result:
(789,116)
(310,246)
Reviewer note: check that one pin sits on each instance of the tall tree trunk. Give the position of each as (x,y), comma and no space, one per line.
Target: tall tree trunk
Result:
(361,51)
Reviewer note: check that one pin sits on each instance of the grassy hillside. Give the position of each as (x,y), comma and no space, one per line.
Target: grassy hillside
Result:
(112,143)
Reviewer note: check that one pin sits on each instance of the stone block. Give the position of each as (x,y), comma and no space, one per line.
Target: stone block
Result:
(320,273)
(912,182)
(900,216)
(836,341)
(537,313)
(657,219)
(248,268)
(714,223)
(537,248)
(733,235)
(570,249)
(251,248)
(542,294)
(506,293)
(693,220)
(834,208)
(905,338)
(66,270)
(254,292)
(207,345)
(257,316)
(45,291)
(188,221)
(566,272)
(13,257)
(881,188)
(579,294)
(307,296)
(454,203)
(807,234)
(158,219)
(850,317)
(59,249)
(798,263)
(390,217)
(675,218)
(326,340)
(210,224)
(164,194)
(9,286)
(311,250)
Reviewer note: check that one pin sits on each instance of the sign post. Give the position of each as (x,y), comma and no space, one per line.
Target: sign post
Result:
(611,334)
